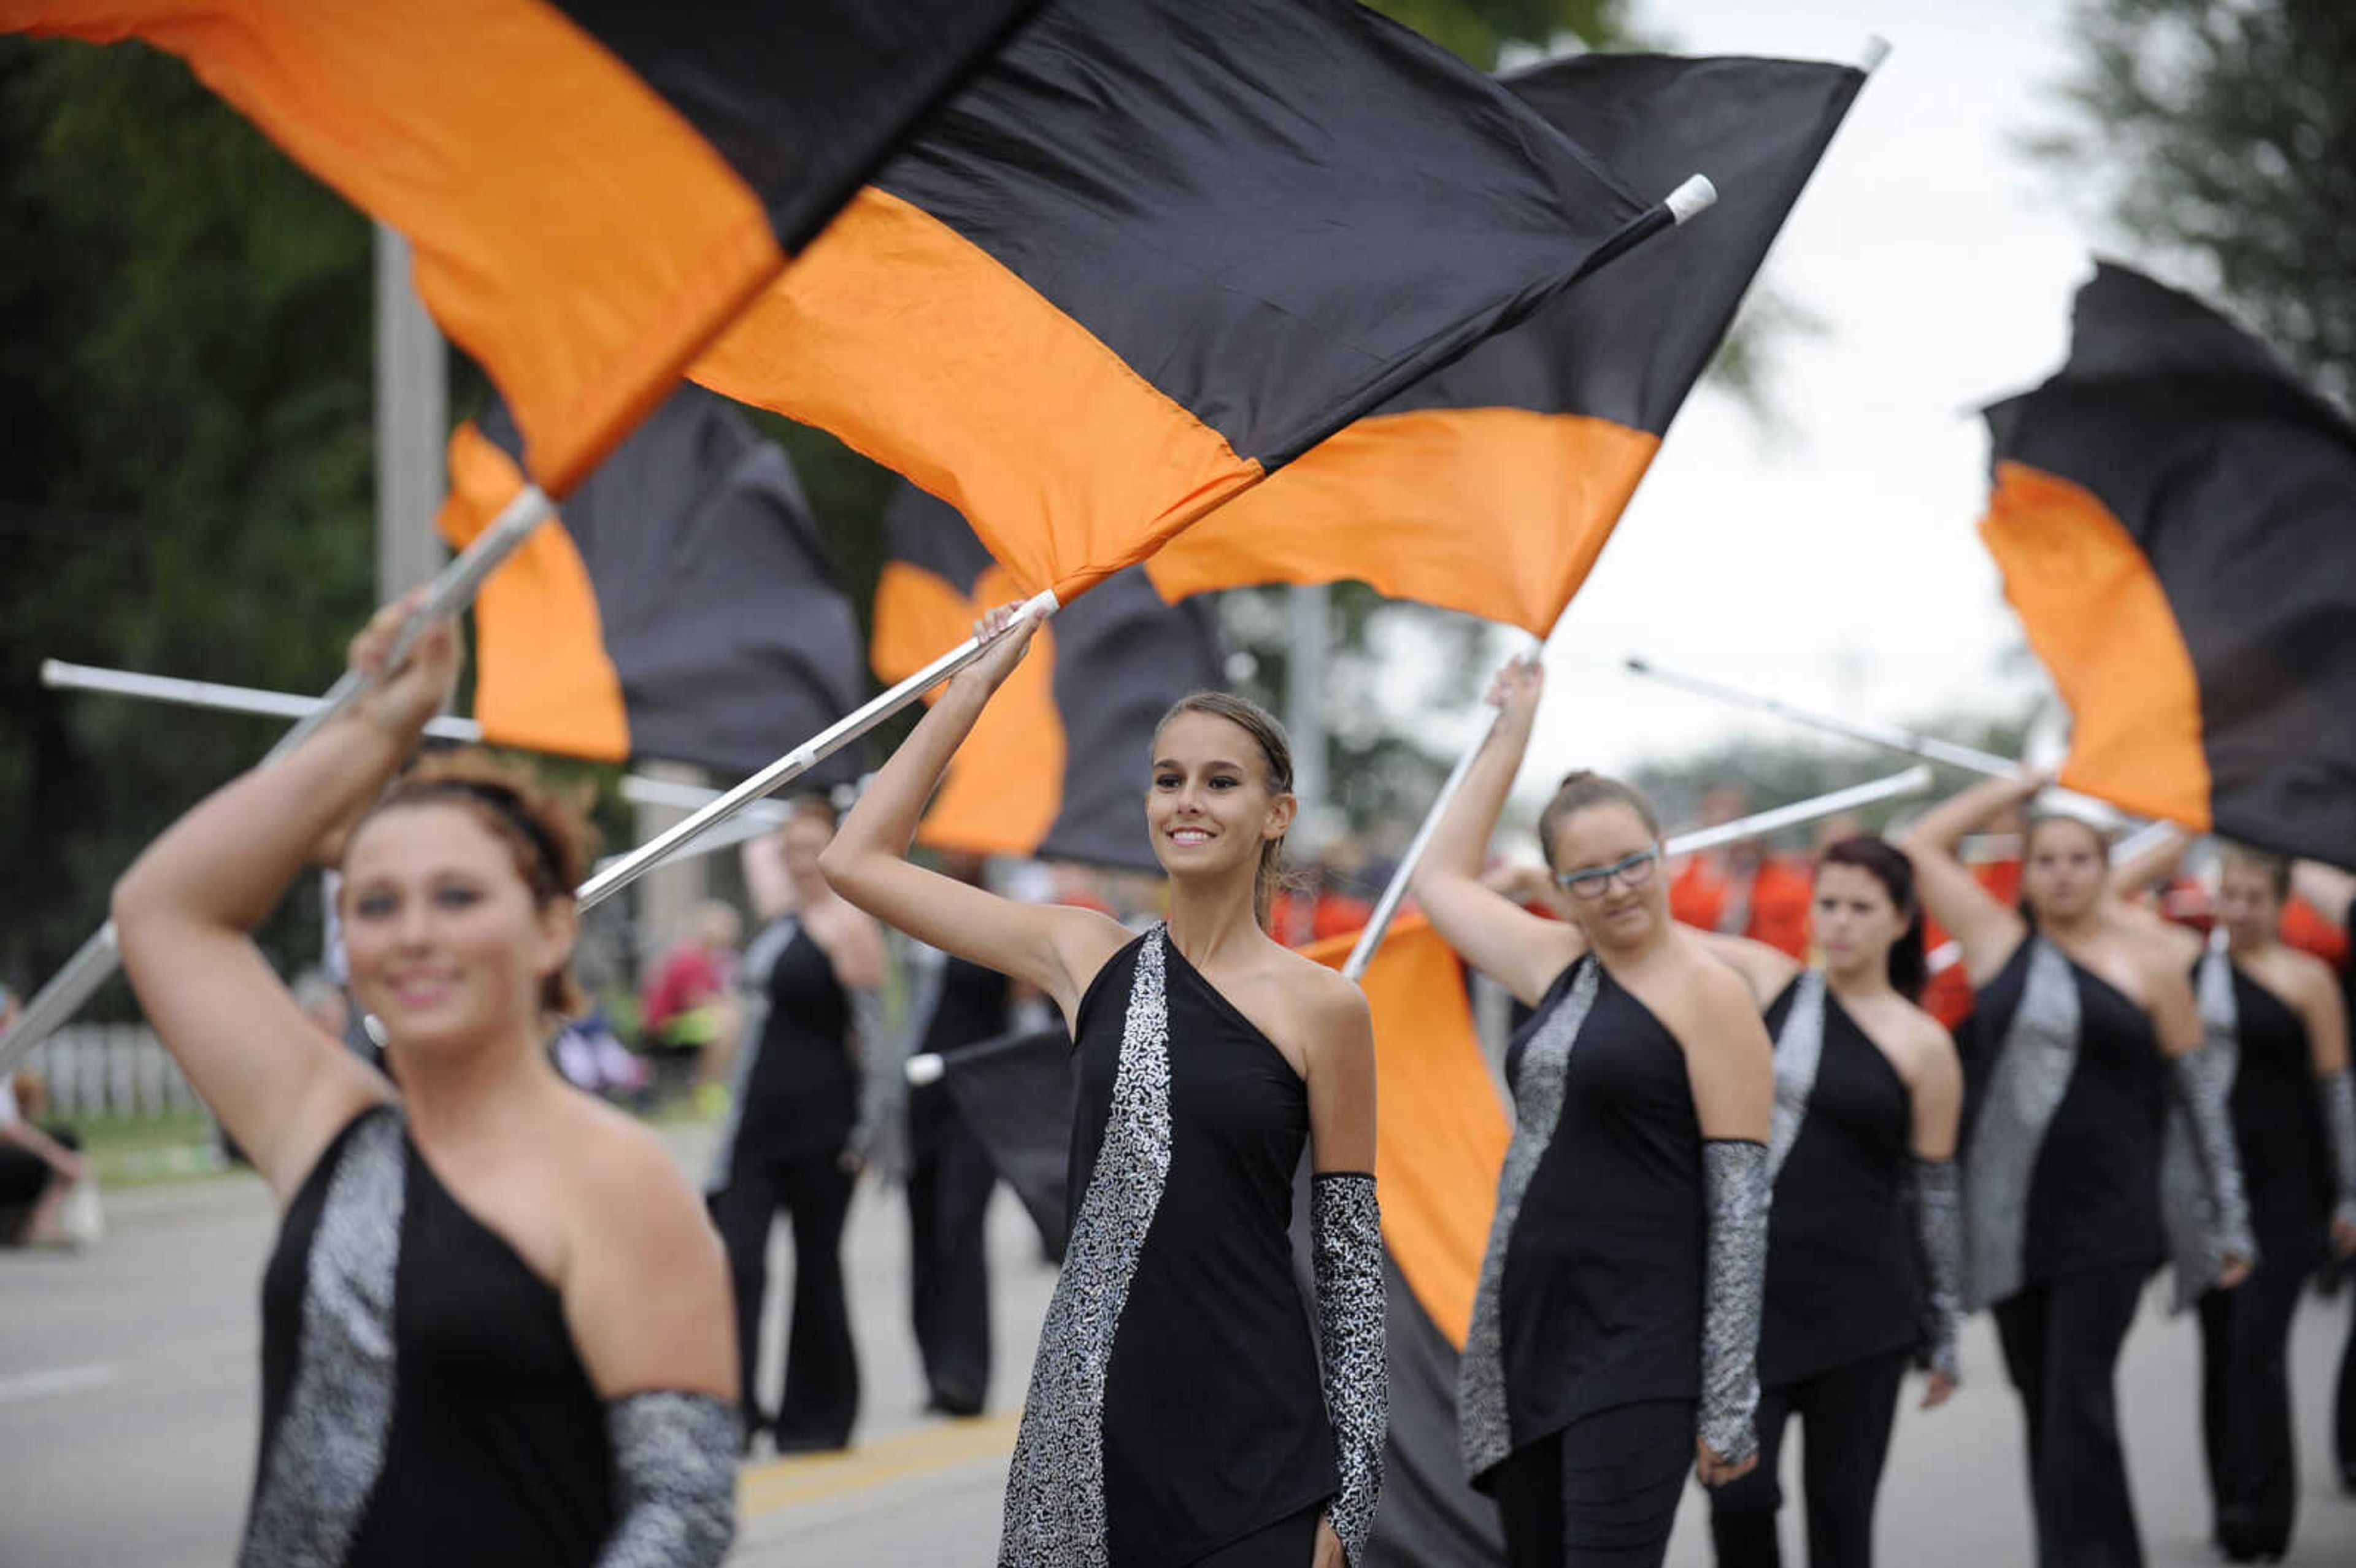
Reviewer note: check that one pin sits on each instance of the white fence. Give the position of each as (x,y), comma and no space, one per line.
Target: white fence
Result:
(109,1069)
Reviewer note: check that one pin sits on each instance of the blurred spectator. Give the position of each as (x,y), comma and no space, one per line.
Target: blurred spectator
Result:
(688,1018)
(1740,890)
(41,1170)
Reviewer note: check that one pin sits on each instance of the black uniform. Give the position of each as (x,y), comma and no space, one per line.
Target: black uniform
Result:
(1581,1368)
(2065,1100)
(951,1179)
(797,1097)
(1844,1308)
(2245,1409)
(1175,1413)
(421,1399)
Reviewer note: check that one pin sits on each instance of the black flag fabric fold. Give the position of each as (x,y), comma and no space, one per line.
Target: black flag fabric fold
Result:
(1491,485)
(2175,516)
(678,607)
(1057,765)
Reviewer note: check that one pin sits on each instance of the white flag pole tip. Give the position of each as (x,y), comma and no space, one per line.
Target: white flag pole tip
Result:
(1876,49)
(1697,195)
(923,1069)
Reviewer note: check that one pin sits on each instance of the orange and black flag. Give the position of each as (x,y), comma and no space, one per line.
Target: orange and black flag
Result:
(593,188)
(1491,485)
(2175,516)
(1156,250)
(1057,766)
(678,606)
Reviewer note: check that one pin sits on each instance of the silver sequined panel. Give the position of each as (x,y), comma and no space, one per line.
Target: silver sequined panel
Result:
(1484,1433)
(328,1450)
(2197,1242)
(674,1480)
(1798,1048)
(2339,1129)
(1345,1231)
(2033,1069)
(1055,1489)
(1734,1294)
(1939,1228)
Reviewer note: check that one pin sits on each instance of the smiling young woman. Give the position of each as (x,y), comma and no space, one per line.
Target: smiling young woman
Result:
(1616,1327)
(496,1326)
(1179,1413)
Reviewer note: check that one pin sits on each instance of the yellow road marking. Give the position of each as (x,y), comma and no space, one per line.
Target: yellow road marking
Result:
(815,1477)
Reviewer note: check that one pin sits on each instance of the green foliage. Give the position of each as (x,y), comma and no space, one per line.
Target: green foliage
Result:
(185,333)
(1478,30)
(2223,136)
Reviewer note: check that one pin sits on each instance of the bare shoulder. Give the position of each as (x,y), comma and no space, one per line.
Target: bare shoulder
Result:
(630,1191)
(1924,1045)
(2312,981)
(1704,1001)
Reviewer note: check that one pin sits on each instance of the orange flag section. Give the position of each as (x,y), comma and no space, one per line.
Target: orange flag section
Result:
(2100,623)
(544,681)
(1441,1134)
(917,347)
(1496,512)
(572,230)
(1005,785)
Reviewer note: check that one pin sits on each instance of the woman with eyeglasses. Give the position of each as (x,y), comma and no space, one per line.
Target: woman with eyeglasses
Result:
(1613,1332)
(1867,1094)
(2082,1026)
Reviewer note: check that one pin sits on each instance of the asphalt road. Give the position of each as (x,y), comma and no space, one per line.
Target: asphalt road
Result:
(128,1415)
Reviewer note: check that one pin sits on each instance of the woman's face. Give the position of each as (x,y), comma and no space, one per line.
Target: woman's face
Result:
(2247,905)
(1856,921)
(804,837)
(1628,907)
(2064,870)
(1209,806)
(445,943)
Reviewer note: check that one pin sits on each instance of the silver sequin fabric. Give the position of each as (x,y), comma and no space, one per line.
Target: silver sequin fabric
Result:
(1484,1430)
(328,1450)
(1939,1231)
(1799,1047)
(2033,1068)
(1055,1489)
(2198,1207)
(1734,1292)
(1345,1237)
(2338,1096)
(674,1480)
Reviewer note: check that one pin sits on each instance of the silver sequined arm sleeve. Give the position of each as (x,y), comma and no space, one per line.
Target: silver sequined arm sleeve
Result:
(2339,1093)
(1345,1237)
(1736,1172)
(880,1135)
(1939,1231)
(2203,1081)
(674,1480)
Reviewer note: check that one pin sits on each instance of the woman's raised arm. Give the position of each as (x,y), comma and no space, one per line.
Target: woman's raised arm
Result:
(1053,949)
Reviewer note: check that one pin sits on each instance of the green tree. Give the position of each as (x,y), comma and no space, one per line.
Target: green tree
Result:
(2221,137)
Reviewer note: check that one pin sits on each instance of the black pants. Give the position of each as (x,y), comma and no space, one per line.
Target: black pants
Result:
(950,1183)
(2246,1412)
(2061,1343)
(1600,1493)
(821,1394)
(1848,1412)
(2343,1424)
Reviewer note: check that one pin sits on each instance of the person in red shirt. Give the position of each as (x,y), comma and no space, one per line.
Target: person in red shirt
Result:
(1740,890)
(689,1014)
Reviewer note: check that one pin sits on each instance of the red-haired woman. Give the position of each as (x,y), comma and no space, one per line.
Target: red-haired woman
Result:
(495,1324)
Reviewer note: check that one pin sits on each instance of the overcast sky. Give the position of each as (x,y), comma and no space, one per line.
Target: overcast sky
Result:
(1836,562)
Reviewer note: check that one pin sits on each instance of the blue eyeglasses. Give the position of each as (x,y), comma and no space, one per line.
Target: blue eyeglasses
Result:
(1633,872)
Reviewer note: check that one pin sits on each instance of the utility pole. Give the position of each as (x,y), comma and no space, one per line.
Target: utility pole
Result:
(412,421)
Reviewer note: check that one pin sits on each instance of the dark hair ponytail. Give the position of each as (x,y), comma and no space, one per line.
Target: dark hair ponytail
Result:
(1276,750)
(1909,968)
